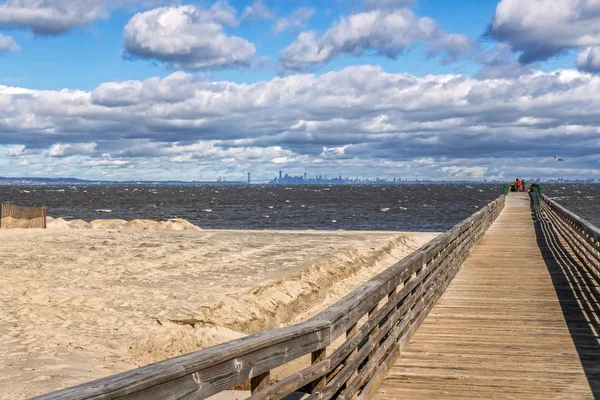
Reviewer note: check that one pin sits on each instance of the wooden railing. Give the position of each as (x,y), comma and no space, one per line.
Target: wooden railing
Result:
(581,235)
(350,344)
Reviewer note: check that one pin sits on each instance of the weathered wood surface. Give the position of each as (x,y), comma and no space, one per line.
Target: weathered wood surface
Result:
(376,320)
(584,225)
(499,331)
(581,235)
(14,216)
(201,374)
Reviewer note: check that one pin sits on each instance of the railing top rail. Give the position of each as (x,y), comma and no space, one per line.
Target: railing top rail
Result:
(225,365)
(115,386)
(585,225)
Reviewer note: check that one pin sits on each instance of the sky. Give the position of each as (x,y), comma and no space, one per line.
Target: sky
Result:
(196,90)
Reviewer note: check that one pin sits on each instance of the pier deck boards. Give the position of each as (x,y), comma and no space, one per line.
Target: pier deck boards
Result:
(499,331)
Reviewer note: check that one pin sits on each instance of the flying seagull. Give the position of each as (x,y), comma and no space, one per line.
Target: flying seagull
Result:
(558,159)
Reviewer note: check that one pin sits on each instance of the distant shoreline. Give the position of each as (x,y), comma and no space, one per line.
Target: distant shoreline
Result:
(35,181)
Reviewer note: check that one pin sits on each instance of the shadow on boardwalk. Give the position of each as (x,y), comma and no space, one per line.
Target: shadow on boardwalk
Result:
(579,296)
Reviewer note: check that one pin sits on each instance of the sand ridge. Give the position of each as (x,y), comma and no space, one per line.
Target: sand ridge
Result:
(173,224)
(76,305)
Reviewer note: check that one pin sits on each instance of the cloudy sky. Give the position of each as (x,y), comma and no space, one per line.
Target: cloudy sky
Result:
(176,89)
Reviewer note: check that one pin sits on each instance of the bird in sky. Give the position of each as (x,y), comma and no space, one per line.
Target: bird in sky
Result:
(558,159)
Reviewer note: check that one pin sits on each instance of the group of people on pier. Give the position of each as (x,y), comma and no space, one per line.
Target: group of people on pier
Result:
(519,185)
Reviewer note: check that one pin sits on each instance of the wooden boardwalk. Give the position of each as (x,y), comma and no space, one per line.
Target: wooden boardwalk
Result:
(499,331)
(520,320)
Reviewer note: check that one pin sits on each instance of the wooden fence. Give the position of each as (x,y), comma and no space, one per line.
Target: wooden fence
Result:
(14,216)
(350,344)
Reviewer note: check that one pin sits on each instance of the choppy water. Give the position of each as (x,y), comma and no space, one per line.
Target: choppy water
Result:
(434,207)
(582,199)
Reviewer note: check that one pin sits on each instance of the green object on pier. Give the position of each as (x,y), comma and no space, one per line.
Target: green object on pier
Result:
(537,188)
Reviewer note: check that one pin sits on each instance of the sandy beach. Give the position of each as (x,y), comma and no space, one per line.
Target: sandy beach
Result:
(80,304)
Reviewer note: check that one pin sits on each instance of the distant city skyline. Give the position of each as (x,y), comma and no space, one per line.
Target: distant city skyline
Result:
(283,179)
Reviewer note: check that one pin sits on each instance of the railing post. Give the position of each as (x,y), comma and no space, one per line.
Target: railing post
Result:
(375,329)
(260,382)
(392,294)
(350,332)
(389,297)
(315,357)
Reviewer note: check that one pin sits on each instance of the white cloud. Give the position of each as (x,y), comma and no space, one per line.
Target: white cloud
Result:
(187,37)
(46,17)
(55,17)
(425,161)
(465,172)
(257,11)
(8,44)
(67,150)
(16,151)
(589,59)
(131,93)
(294,22)
(381,32)
(344,120)
(303,52)
(540,29)
(105,163)
(499,62)
(222,13)
(453,45)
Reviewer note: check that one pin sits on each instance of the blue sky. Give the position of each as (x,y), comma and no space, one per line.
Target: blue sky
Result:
(145,89)
(85,58)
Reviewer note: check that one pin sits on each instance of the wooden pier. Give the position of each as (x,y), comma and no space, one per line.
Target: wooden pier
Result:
(505,305)
(500,330)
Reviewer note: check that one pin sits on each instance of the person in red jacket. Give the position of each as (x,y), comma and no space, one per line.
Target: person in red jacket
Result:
(517,185)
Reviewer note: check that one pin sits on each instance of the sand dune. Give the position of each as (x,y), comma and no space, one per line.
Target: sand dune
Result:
(76,305)
(143,224)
